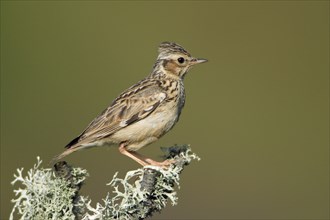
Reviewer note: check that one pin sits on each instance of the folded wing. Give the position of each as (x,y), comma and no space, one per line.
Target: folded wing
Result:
(134,105)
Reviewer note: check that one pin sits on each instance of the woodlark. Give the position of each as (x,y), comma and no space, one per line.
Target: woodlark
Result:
(144,112)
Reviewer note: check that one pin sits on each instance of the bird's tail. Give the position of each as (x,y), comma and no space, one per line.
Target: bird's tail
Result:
(65,153)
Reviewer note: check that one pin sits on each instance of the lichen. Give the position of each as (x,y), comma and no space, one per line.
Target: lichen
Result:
(43,195)
(48,194)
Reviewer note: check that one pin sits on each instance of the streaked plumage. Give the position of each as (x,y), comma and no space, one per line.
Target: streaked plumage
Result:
(145,111)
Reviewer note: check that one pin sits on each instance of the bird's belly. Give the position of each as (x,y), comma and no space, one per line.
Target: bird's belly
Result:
(155,125)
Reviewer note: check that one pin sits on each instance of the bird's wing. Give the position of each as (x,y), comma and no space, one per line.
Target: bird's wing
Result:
(133,105)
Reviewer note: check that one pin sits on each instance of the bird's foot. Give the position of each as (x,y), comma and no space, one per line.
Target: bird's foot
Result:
(164,164)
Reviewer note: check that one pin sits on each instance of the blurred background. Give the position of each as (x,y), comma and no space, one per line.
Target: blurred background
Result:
(257,113)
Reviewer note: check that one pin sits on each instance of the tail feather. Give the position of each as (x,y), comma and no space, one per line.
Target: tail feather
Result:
(73,142)
(65,153)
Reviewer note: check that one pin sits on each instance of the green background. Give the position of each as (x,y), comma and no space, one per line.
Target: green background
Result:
(256,113)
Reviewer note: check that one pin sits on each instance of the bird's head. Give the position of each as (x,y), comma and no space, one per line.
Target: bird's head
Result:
(174,59)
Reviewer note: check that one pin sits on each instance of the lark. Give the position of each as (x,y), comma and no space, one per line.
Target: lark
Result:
(144,112)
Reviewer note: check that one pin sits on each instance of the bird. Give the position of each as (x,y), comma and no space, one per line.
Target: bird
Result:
(144,112)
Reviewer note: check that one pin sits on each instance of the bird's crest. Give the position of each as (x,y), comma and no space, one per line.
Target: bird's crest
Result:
(167,48)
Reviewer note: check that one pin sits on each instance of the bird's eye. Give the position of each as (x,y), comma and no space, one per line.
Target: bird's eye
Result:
(180,59)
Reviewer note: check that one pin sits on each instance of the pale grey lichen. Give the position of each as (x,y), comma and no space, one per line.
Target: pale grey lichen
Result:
(50,195)
(43,195)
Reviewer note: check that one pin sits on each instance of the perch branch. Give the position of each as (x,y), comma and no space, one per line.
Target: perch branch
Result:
(49,194)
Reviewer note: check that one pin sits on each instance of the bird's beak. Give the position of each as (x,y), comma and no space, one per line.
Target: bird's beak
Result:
(194,61)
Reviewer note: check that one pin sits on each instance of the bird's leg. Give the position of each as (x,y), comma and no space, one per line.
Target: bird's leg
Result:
(165,163)
(144,161)
(132,155)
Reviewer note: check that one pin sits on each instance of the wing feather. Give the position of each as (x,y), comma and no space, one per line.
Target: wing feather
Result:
(135,104)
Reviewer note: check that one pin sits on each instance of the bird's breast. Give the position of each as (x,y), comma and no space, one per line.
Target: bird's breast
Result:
(155,125)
